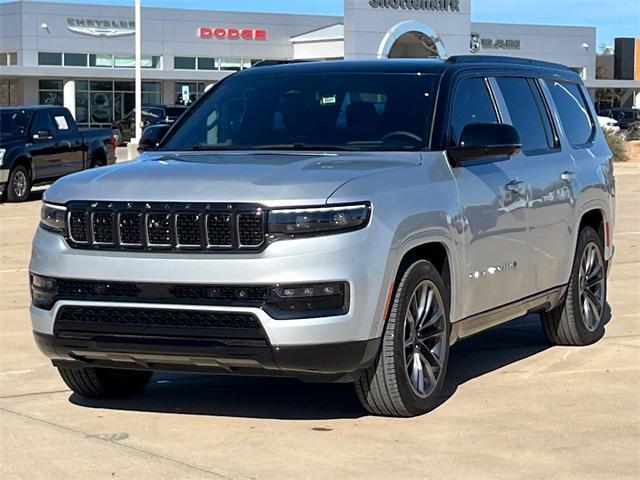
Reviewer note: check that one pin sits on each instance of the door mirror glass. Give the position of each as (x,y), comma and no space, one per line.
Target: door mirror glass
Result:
(152,136)
(41,135)
(480,141)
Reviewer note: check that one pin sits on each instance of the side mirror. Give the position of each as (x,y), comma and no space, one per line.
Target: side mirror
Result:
(41,135)
(152,136)
(486,140)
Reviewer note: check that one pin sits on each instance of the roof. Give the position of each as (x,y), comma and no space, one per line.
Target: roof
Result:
(324,34)
(406,65)
(31,107)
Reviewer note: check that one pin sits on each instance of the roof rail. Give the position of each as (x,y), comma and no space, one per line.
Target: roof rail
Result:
(270,63)
(501,59)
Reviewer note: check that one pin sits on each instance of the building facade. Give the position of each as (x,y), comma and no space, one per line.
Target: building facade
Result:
(82,56)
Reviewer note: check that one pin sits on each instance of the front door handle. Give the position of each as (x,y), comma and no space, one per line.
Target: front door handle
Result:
(567,176)
(514,186)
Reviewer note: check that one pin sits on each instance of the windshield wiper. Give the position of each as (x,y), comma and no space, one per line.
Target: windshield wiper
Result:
(302,146)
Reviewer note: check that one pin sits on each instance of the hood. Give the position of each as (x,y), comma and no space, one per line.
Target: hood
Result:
(269,178)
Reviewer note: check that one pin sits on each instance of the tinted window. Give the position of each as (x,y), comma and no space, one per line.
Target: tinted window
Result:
(312,111)
(14,123)
(573,111)
(527,116)
(184,63)
(472,104)
(42,121)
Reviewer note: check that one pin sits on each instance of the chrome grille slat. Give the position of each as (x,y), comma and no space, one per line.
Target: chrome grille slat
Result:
(166,226)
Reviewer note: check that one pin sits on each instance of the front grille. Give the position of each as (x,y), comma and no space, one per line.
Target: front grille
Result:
(83,288)
(166,226)
(156,321)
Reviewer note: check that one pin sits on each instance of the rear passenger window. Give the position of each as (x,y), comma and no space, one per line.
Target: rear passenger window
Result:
(573,111)
(527,113)
(472,104)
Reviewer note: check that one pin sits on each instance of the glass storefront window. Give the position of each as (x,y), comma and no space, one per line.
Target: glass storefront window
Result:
(82,85)
(125,86)
(184,63)
(82,106)
(101,107)
(205,63)
(75,59)
(50,92)
(233,64)
(100,60)
(48,58)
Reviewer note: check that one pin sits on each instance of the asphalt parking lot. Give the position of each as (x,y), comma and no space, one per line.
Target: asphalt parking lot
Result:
(513,406)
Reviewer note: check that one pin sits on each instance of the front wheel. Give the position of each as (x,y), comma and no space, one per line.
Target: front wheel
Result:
(579,319)
(407,377)
(104,382)
(19,185)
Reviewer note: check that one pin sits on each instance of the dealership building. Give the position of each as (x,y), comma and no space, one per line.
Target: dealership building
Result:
(82,56)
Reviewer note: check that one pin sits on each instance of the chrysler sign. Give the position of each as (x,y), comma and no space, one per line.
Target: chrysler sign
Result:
(426,5)
(101,28)
(232,33)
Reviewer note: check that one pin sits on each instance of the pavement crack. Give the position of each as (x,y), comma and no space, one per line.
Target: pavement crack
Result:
(86,435)
(19,395)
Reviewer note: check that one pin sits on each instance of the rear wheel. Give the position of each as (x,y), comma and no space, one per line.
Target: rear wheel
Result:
(407,377)
(578,320)
(104,382)
(19,185)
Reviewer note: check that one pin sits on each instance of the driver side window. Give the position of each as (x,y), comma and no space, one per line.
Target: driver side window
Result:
(42,121)
(472,103)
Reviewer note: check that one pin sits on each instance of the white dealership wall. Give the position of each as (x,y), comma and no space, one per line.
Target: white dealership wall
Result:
(363,32)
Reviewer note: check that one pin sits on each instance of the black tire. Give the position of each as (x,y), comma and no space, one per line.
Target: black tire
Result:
(119,138)
(565,324)
(104,382)
(97,160)
(19,184)
(385,388)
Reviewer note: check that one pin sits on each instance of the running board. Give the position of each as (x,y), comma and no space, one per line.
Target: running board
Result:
(482,321)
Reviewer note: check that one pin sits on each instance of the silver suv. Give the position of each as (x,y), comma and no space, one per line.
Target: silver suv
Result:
(333,221)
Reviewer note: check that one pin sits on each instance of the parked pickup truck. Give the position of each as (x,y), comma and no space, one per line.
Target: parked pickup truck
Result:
(41,143)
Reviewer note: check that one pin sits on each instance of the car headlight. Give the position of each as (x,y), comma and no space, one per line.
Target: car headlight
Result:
(53,217)
(2,152)
(318,220)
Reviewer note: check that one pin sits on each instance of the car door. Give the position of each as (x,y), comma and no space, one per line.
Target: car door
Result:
(550,174)
(493,198)
(68,142)
(45,156)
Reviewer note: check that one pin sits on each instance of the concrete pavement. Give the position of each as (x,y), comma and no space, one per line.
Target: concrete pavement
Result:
(514,406)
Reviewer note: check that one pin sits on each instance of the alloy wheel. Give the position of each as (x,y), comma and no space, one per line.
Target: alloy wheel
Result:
(424,338)
(20,184)
(591,286)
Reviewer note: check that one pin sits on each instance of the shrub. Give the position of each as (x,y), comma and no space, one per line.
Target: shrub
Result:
(617,146)
(634,132)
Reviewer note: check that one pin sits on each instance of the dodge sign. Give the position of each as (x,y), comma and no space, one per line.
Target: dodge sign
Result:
(232,33)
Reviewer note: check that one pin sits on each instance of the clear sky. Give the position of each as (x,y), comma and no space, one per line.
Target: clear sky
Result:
(613,18)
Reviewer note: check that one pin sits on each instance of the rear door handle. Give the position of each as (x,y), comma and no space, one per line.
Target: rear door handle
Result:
(514,186)
(567,176)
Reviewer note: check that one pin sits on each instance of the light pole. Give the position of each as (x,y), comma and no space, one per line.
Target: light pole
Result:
(138,71)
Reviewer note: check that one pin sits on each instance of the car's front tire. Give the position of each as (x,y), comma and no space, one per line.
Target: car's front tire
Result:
(19,184)
(579,318)
(407,377)
(104,382)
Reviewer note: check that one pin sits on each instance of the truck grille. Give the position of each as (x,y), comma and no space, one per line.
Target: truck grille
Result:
(166,227)
(72,320)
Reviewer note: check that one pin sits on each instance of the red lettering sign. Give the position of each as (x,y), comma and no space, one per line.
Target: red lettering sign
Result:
(232,33)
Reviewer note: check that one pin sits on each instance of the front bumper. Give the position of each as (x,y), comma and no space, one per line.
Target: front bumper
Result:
(319,259)
(328,362)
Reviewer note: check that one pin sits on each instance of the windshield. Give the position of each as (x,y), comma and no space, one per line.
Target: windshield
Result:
(299,111)
(14,123)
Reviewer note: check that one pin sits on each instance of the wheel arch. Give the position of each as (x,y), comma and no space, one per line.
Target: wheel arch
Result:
(96,151)
(439,251)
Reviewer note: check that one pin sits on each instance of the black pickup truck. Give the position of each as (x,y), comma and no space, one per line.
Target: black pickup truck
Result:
(41,143)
